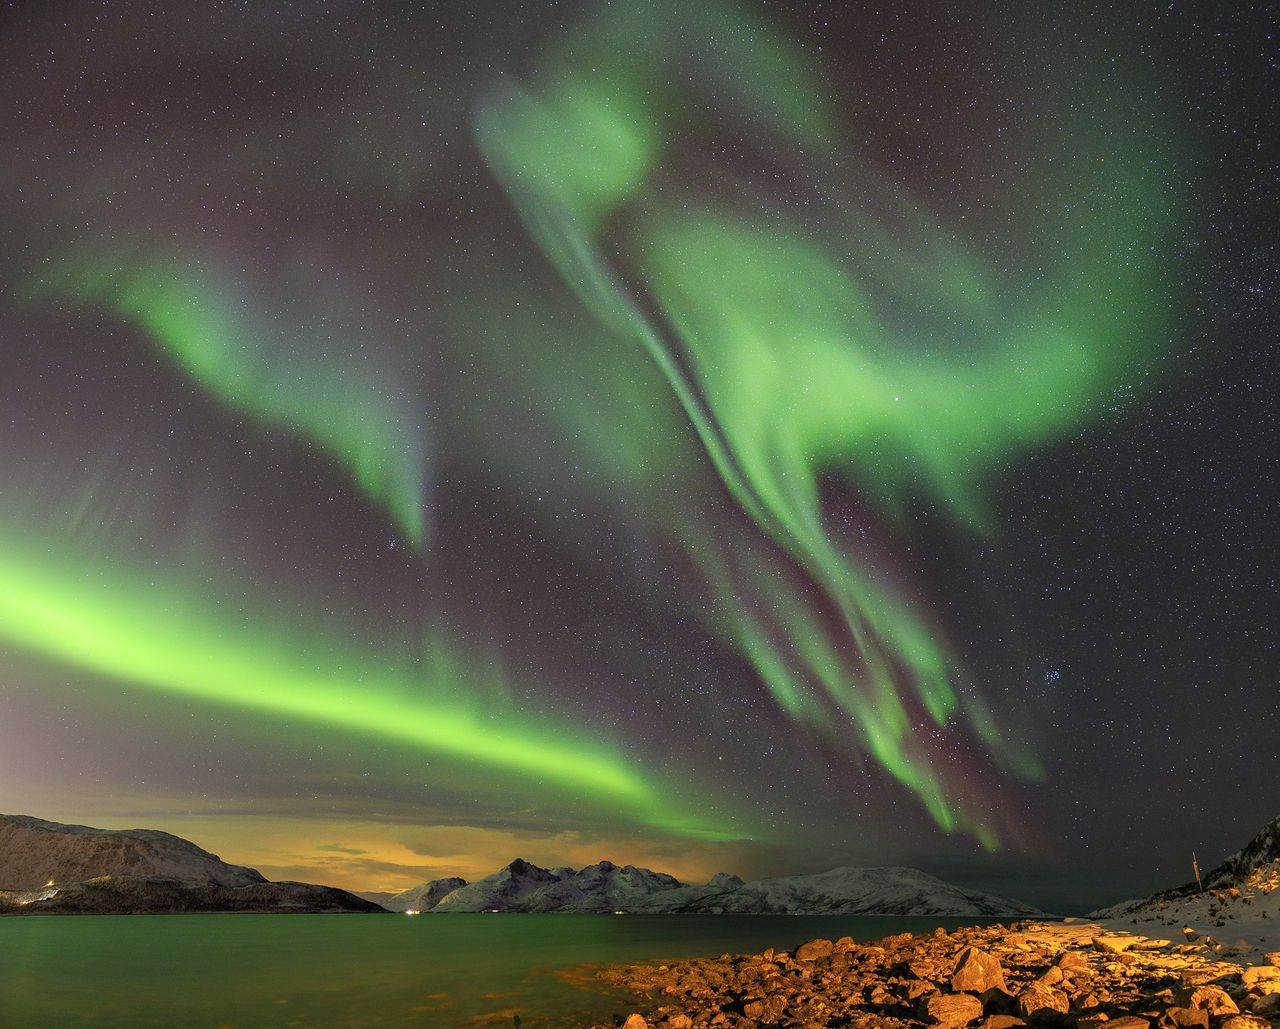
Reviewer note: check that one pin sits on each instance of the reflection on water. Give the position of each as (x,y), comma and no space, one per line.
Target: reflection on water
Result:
(433,971)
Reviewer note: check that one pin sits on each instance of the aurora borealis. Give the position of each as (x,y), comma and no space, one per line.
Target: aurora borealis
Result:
(714,436)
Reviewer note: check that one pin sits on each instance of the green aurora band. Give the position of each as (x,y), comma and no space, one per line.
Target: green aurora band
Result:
(125,625)
(874,348)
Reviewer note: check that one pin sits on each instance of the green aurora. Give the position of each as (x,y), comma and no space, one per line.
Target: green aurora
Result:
(784,353)
(744,355)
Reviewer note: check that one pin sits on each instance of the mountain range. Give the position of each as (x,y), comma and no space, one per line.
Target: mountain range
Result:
(52,868)
(604,886)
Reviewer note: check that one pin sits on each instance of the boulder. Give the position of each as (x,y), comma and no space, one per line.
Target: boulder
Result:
(1038,1002)
(1246,1022)
(1261,975)
(634,1021)
(1085,1001)
(998,1001)
(1185,1018)
(1073,961)
(843,945)
(1129,1022)
(977,971)
(1113,944)
(814,950)
(767,1009)
(679,1021)
(1000,1022)
(913,989)
(1051,976)
(950,1010)
(1268,1005)
(1272,958)
(1212,999)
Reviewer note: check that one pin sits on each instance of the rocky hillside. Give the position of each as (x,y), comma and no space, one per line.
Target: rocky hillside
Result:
(34,852)
(50,868)
(604,886)
(1240,898)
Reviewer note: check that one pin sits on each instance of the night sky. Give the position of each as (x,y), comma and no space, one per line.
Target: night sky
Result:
(757,437)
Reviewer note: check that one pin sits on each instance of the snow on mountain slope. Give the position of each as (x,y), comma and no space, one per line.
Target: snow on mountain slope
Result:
(1239,902)
(504,890)
(424,897)
(880,891)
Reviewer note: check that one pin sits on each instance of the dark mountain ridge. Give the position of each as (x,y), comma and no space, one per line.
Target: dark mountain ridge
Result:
(52,868)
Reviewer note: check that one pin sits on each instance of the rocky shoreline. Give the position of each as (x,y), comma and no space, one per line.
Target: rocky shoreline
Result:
(1074,976)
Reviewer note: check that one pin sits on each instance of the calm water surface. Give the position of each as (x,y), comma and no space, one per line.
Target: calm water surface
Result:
(438,972)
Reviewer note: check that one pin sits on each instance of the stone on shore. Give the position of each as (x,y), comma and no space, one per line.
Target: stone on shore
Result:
(1038,1001)
(977,971)
(951,1010)
(1213,999)
(815,950)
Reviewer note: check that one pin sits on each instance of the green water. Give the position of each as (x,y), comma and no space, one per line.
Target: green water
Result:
(440,972)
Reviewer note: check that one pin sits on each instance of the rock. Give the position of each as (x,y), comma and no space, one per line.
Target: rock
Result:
(1129,1022)
(998,1001)
(1212,999)
(1051,977)
(1272,958)
(951,1010)
(914,989)
(1041,1002)
(843,945)
(1259,974)
(1092,1021)
(1246,1022)
(977,971)
(1268,1005)
(1073,961)
(679,1021)
(1185,1018)
(1113,944)
(1000,1022)
(634,1021)
(768,1009)
(814,950)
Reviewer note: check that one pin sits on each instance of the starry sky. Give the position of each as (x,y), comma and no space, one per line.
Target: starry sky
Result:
(737,436)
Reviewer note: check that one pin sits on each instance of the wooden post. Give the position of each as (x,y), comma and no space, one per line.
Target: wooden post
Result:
(1195,867)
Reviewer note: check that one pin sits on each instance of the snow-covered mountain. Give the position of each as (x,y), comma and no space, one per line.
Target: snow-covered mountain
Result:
(421,898)
(1240,899)
(604,886)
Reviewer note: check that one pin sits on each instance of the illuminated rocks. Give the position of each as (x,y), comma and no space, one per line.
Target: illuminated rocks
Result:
(896,984)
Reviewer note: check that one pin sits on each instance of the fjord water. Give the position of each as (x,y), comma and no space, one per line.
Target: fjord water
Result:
(439,972)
